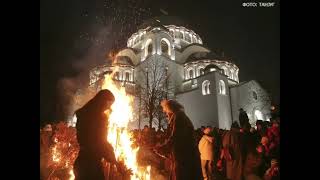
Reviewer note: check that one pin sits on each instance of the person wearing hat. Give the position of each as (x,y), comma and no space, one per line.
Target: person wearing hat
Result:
(243,118)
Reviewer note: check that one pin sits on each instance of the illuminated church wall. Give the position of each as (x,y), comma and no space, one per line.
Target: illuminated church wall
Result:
(185,58)
(207,103)
(253,99)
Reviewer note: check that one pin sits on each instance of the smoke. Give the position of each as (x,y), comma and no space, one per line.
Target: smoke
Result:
(89,51)
(107,31)
(66,88)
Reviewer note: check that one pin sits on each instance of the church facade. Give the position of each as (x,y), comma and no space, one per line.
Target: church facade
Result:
(205,82)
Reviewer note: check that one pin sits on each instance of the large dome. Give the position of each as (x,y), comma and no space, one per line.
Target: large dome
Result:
(164,20)
(176,28)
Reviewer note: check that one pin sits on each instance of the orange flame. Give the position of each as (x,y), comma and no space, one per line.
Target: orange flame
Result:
(118,134)
(55,155)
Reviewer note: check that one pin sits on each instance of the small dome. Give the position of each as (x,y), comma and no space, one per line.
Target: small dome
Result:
(196,56)
(211,66)
(205,55)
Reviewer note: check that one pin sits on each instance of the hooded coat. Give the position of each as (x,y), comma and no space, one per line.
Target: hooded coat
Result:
(182,149)
(91,135)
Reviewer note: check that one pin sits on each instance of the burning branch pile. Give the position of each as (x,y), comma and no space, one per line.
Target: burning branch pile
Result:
(62,153)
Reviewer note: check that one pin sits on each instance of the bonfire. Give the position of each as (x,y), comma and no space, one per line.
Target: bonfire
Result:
(119,135)
(65,148)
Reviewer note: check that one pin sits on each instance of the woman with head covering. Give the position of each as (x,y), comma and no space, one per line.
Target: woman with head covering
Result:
(91,128)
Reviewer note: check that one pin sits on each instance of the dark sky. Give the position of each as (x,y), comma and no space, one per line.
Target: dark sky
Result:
(76,35)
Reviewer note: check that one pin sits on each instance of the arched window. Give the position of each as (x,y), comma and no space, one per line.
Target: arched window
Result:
(194,39)
(127,76)
(136,40)
(236,75)
(172,32)
(231,74)
(165,46)
(190,73)
(222,87)
(201,71)
(148,47)
(188,37)
(117,76)
(226,72)
(179,34)
(254,95)
(206,87)
(258,115)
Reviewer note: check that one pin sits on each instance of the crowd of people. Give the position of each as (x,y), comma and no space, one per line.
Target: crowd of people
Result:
(244,152)
(241,153)
(179,152)
(255,153)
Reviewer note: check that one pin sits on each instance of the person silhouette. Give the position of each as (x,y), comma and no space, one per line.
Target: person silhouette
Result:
(243,118)
(180,145)
(91,128)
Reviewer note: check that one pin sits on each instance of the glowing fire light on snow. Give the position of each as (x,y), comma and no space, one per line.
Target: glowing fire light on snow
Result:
(118,134)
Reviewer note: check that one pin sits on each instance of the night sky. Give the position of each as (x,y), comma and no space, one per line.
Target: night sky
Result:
(76,35)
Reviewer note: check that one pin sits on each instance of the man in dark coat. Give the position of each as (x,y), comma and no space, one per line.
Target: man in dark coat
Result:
(233,152)
(180,144)
(243,117)
(91,127)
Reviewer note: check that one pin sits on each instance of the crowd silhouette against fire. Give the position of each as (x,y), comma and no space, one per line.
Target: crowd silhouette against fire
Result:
(259,153)
(241,153)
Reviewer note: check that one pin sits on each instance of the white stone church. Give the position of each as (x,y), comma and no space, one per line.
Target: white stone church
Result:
(204,81)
